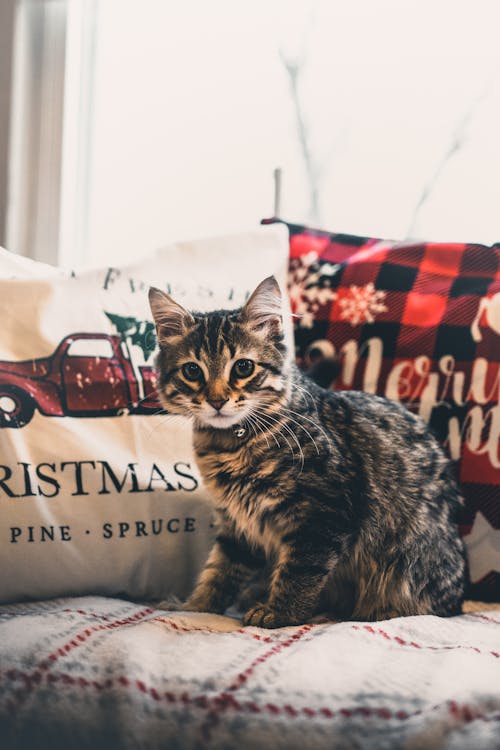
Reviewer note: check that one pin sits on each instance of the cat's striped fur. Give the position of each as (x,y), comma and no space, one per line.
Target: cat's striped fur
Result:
(337,501)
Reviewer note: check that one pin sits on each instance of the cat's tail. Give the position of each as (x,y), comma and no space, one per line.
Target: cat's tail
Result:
(322,364)
(324,372)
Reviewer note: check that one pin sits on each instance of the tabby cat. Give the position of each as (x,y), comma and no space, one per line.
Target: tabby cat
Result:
(337,501)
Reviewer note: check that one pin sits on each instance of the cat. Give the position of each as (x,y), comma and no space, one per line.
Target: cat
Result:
(336,501)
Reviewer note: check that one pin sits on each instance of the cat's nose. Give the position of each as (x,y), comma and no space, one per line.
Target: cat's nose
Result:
(217,404)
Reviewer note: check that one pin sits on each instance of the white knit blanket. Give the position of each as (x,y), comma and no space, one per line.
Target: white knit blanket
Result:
(101,673)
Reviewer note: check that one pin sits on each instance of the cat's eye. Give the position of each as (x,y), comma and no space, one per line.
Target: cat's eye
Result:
(243,368)
(191,371)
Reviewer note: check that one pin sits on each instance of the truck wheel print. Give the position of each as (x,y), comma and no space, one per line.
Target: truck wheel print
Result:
(88,375)
(16,407)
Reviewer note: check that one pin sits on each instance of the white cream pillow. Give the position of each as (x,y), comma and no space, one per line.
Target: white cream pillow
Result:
(98,493)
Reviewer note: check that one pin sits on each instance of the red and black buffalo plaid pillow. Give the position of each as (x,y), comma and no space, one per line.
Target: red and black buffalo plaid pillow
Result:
(419,323)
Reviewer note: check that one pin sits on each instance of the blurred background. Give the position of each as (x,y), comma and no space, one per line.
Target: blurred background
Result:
(125,125)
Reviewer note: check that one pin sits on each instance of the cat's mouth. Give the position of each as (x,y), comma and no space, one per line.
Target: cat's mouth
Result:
(221,421)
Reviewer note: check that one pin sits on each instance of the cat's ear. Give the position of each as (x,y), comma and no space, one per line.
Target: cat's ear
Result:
(171,319)
(264,310)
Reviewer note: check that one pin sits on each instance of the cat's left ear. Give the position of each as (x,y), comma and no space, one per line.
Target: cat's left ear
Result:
(171,319)
(263,310)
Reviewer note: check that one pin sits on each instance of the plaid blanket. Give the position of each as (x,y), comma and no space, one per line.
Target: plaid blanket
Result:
(95,672)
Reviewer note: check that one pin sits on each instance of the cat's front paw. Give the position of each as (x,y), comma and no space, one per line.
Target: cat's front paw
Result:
(264,616)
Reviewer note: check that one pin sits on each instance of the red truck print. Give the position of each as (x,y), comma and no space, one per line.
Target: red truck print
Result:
(88,375)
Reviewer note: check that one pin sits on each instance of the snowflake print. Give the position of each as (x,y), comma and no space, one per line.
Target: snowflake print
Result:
(309,287)
(362,303)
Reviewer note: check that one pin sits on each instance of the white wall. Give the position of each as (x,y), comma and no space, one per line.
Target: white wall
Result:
(192,111)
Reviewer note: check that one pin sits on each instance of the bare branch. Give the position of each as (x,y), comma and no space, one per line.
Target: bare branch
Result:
(294,65)
(294,70)
(277,174)
(458,139)
(315,164)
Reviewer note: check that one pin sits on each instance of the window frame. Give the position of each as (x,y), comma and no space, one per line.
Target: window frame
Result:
(7,21)
(45,173)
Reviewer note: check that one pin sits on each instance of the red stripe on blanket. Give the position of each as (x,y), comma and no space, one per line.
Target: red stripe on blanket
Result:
(178,628)
(80,638)
(483,617)
(87,614)
(33,678)
(243,676)
(255,636)
(187,629)
(225,701)
(401,642)
(221,701)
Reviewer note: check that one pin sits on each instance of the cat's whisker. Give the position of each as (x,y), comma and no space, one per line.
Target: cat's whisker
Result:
(165,414)
(160,423)
(255,427)
(248,422)
(159,411)
(282,436)
(154,392)
(303,394)
(295,422)
(259,416)
(313,441)
(308,419)
(276,421)
(263,430)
